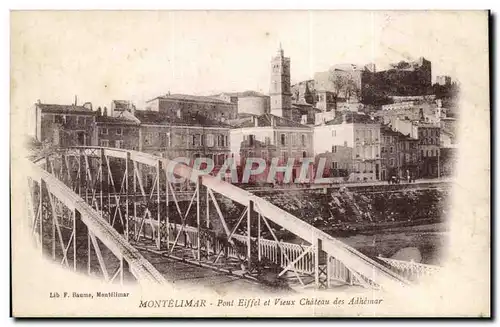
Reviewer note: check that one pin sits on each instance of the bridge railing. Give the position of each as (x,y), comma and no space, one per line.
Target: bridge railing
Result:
(282,254)
(88,169)
(410,269)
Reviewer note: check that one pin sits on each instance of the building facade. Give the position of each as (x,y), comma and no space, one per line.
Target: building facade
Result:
(190,136)
(209,107)
(248,102)
(116,132)
(389,153)
(269,136)
(429,148)
(351,145)
(64,125)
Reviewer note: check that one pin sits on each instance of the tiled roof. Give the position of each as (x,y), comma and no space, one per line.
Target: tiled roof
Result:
(387,130)
(243,94)
(61,108)
(265,121)
(158,118)
(350,118)
(188,97)
(115,120)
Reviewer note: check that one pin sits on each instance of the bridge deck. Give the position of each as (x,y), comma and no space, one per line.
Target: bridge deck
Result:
(190,275)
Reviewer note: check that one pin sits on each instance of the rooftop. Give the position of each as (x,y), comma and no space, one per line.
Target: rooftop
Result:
(352,118)
(267,120)
(121,120)
(158,118)
(242,94)
(188,97)
(62,108)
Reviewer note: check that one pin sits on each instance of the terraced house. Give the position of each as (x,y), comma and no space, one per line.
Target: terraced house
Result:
(64,125)
(351,145)
(268,136)
(120,131)
(212,108)
(187,135)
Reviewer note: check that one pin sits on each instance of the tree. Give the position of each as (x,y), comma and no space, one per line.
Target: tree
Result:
(343,86)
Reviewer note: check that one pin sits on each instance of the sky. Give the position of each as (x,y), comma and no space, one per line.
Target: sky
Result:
(100,56)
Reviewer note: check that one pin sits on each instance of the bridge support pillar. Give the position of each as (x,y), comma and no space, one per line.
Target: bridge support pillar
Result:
(321,271)
(81,233)
(199,184)
(250,211)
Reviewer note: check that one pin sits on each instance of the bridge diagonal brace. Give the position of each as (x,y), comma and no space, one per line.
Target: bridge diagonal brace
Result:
(56,223)
(102,264)
(65,250)
(232,232)
(219,212)
(184,223)
(292,264)
(279,244)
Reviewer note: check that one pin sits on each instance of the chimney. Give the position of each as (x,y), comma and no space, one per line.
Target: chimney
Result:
(99,111)
(272,121)
(256,121)
(39,101)
(105,112)
(76,99)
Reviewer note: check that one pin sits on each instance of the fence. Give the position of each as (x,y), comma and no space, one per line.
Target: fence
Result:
(410,269)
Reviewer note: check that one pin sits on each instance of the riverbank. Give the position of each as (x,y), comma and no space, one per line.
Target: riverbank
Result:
(429,239)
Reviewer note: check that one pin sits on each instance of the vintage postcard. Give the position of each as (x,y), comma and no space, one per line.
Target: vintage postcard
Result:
(250,164)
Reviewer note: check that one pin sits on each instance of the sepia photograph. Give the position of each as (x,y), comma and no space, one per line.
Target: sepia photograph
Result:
(250,163)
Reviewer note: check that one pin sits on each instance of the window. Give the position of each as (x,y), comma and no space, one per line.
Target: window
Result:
(383,149)
(284,156)
(334,149)
(303,137)
(104,131)
(118,144)
(119,131)
(104,143)
(148,138)
(304,154)
(59,119)
(391,162)
(283,139)
(251,139)
(268,140)
(391,149)
(422,153)
(163,139)
(210,140)
(202,140)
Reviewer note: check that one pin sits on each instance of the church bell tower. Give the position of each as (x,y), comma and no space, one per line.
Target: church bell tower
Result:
(280,92)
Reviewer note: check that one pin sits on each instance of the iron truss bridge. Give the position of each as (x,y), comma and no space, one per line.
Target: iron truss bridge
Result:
(105,210)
